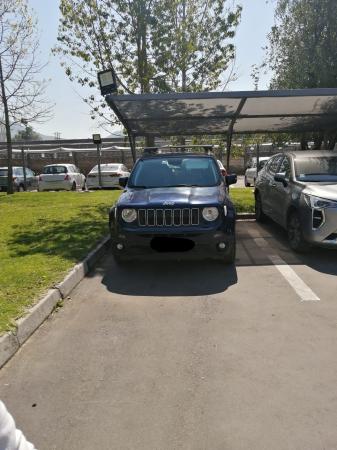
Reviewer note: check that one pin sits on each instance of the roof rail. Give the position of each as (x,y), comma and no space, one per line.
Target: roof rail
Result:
(208,148)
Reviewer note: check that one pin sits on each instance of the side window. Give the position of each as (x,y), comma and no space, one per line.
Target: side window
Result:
(274,164)
(285,167)
(18,172)
(124,169)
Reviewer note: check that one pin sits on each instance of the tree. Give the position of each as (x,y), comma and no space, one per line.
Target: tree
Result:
(28,134)
(302,49)
(194,47)
(153,45)
(22,96)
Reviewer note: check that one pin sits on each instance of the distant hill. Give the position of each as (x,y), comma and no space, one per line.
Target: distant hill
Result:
(17,128)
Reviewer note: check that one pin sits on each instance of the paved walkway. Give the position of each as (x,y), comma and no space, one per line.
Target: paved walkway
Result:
(195,356)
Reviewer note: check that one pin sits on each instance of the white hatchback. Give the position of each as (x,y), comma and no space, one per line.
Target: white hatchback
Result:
(110,175)
(61,177)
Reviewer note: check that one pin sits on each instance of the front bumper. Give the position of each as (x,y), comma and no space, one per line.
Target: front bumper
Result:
(326,234)
(204,244)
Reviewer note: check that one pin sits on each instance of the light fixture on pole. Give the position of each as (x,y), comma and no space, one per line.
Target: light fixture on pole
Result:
(96,138)
(107,81)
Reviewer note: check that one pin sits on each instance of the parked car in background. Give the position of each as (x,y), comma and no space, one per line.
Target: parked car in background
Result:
(298,190)
(110,174)
(61,177)
(18,179)
(251,171)
(174,202)
(222,168)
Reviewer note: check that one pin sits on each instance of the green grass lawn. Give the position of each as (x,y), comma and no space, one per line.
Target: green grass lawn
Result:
(42,235)
(243,199)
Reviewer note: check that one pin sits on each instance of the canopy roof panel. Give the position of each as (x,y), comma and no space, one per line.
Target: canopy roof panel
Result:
(223,112)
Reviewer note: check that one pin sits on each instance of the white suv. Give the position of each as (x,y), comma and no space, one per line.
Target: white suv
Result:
(61,176)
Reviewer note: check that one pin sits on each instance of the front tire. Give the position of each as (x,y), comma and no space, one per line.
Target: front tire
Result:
(246,182)
(259,214)
(295,234)
(73,187)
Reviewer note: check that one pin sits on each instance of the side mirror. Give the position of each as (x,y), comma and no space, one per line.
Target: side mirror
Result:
(281,178)
(123,181)
(231,179)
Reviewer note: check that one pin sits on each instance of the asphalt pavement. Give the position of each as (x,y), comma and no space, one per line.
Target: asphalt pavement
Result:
(187,355)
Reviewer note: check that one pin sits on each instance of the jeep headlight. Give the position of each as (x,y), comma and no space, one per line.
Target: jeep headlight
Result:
(319,203)
(129,215)
(210,214)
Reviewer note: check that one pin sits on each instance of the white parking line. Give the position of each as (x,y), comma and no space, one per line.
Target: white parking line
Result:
(303,290)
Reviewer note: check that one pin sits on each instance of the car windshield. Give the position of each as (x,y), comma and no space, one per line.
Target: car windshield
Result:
(54,170)
(315,169)
(107,168)
(175,172)
(3,172)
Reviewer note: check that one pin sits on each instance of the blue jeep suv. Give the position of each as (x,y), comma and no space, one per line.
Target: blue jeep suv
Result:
(174,202)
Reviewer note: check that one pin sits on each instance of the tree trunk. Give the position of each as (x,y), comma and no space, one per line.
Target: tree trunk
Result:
(183,71)
(10,189)
(304,142)
(318,139)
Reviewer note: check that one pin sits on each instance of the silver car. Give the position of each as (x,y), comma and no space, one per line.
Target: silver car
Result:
(298,190)
(18,179)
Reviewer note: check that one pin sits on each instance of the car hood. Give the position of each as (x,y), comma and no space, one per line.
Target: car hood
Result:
(324,190)
(173,196)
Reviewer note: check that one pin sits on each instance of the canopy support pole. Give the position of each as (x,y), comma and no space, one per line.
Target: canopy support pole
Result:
(132,141)
(231,128)
(229,144)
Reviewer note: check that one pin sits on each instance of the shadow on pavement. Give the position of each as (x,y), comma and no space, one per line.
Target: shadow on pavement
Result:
(320,259)
(162,278)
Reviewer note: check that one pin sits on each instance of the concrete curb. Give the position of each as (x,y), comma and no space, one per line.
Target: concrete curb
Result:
(11,342)
(245,216)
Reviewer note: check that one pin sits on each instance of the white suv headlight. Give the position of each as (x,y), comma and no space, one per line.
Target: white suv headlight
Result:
(129,215)
(319,203)
(210,214)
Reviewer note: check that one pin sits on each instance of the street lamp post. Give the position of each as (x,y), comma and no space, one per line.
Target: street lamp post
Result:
(98,141)
(23,156)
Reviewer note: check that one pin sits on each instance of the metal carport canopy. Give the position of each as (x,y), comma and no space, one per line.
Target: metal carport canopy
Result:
(208,113)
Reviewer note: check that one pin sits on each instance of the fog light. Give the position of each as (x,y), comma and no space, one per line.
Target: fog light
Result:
(222,246)
(120,246)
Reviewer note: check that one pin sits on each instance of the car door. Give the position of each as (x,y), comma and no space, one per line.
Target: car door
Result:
(281,193)
(268,182)
(18,175)
(29,179)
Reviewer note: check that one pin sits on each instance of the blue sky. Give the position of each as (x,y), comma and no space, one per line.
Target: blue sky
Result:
(71,115)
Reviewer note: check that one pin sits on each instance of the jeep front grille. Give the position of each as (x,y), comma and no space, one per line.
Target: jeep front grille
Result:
(168,217)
